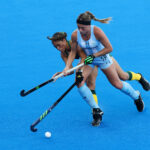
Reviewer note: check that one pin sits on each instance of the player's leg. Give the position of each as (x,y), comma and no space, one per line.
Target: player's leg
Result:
(130,75)
(88,97)
(91,81)
(126,88)
(122,75)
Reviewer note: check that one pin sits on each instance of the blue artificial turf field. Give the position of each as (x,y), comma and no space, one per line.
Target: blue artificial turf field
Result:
(27,59)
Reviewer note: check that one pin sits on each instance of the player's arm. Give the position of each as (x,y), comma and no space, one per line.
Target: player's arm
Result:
(65,59)
(100,35)
(81,53)
(73,52)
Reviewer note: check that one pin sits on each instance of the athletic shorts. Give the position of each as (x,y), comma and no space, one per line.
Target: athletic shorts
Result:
(107,62)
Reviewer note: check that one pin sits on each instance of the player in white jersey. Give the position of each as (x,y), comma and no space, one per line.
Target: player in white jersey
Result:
(91,46)
(96,45)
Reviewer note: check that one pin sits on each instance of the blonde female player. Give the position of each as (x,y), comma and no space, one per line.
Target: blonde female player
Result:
(60,42)
(96,45)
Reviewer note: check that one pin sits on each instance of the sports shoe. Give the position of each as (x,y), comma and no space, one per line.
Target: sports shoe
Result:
(97,116)
(139,104)
(145,84)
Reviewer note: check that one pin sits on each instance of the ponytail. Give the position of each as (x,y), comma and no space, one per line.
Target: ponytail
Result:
(105,20)
(85,18)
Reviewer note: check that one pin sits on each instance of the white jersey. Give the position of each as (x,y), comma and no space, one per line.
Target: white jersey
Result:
(92,46)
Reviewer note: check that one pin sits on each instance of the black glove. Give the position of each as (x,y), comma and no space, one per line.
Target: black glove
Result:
(79,77)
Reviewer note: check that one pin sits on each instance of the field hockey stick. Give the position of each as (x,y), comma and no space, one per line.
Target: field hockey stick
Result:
(32,127)
(23,93)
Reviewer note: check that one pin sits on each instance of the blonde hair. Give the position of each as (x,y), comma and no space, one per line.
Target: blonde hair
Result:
(58,36)
(88,16)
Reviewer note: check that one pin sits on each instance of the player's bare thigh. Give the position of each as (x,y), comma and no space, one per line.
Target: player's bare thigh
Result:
(91,79)
(122,75)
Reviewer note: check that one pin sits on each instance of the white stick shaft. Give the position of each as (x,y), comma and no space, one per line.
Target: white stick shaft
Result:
(70,70)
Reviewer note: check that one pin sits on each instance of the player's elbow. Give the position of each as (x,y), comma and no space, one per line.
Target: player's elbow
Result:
(110,49)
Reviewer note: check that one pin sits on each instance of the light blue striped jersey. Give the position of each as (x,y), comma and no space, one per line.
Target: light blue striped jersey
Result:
(91,46)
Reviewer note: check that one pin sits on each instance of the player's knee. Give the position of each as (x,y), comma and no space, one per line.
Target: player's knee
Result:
(123,77)
(80,84)
(117,84)
(90,84)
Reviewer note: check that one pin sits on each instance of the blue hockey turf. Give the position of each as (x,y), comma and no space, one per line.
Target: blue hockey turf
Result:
(27,59)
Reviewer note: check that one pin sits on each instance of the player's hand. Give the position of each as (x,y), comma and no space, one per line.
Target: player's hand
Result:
(65,71)
(57,73)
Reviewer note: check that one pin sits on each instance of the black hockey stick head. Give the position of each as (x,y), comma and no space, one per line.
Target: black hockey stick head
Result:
(22,93)
(33,129)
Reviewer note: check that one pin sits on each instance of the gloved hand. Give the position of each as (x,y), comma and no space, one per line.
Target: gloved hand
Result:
(79,77)
(89,59)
